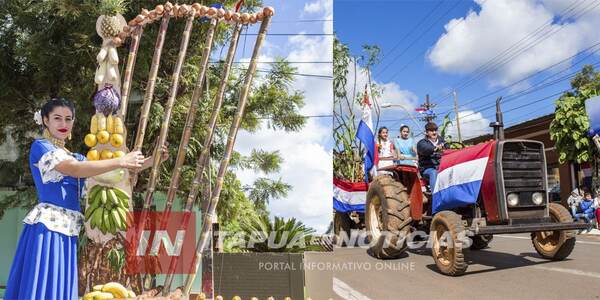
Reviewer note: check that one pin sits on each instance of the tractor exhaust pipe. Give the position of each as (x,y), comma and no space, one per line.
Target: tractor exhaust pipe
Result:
(498,125)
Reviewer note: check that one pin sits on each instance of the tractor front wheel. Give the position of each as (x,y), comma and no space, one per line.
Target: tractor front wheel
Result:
(387,217)
(555,245)
(449,237)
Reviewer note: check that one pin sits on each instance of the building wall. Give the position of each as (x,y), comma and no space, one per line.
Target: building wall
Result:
(259,275)
(10,229)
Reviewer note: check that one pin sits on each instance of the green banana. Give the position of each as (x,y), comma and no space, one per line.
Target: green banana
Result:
(88,213)
(122,214)
(105,225)
(97,218)
(121,193)
(125,203)
(120,205)
(93,193)
(116,218)
(104,196)
(123,200)
(113,197)
(112,227)
(93,205)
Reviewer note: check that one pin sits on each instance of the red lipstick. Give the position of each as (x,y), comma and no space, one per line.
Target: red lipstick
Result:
(63,130)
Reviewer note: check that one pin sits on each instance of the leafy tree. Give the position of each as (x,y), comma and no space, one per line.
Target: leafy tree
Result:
(280,235)
(569,129)
(48,49)
(347,162)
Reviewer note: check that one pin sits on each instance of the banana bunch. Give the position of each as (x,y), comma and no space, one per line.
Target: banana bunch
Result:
(109,291)
(108,209)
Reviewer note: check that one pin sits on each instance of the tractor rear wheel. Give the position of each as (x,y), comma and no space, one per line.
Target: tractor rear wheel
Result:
(387,217)
(481,241)
(555,245)
(448,236)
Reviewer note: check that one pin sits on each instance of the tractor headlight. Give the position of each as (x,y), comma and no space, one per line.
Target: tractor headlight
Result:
(537,198)
(513,199)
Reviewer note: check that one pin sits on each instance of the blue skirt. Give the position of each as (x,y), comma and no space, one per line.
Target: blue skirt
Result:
(44,267)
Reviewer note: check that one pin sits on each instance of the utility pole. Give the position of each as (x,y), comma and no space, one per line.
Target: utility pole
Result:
(457,118)
(429,114)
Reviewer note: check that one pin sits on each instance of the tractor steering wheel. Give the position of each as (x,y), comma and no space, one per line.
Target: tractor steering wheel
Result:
(455,145)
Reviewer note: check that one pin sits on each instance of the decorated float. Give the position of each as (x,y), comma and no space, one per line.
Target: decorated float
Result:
(109,209)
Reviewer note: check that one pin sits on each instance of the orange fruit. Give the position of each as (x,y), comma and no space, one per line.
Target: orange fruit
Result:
(103,137)
(116,140)
(90,140)
(106,154)
(92,155)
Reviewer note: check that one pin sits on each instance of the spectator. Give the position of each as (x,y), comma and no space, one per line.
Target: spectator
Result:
(586,207)
(575,198)
(384,148)
(597,208)
(429,150)
(405,148)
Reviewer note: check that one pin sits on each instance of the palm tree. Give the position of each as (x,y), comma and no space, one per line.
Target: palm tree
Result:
(260,234)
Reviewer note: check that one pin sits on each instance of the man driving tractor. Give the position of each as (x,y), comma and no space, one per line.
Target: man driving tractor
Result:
(430,153)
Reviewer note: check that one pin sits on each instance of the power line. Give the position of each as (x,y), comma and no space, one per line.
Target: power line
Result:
(420,36)
(539,72)
(414,58)
(413,29)
(501,59)
(292,34)
(491,61)
(274,62)
(303,21)
(298,116)
(518,107)
(298,74)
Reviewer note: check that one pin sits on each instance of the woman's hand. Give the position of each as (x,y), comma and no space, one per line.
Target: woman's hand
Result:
(132,160)
(164,150)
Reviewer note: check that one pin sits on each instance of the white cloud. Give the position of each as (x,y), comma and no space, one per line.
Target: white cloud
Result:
(307,164)
(325,9)
(479,37)
(307,167)
(471,125)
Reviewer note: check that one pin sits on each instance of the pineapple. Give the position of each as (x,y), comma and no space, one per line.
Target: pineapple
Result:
(109,24)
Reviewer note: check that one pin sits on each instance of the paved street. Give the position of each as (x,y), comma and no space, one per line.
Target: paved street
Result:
(509,269)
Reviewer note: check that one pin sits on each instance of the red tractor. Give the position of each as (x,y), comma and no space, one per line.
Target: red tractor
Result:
(512,198)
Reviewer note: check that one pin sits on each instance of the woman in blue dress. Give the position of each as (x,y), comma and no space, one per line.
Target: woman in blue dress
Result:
(45,263)
(405,147)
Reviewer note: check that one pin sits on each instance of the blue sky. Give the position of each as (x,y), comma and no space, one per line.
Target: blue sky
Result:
(436,54)
(307,165)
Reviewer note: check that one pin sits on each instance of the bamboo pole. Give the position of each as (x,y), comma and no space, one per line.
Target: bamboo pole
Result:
(126,89)
(201,162)
(145,110)
(190,119)
(164,129)
(214,200)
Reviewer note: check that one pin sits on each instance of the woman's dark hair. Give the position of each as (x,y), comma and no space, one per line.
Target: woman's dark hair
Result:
(53,103)
(404,126)
(380,130)
(379,135)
